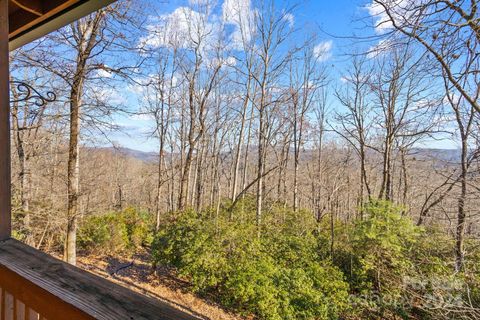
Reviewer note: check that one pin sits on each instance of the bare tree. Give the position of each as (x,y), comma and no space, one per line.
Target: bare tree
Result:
(465,119)
(400,89)
(355,125)
(200,86)
(306,81)
(28,118)
(245,73)
(161,99)
(272,31)
(83,44)
(447,30)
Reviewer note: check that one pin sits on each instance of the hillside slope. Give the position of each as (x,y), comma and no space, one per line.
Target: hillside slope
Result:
(164,286)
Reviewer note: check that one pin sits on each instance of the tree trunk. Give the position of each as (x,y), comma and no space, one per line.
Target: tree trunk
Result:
(247,149)
(160,178)
(386,188)
(86,37)
(73,168)
(23,172)
(185,179)
(260,167)
(238,152)
(460,230)
(296,153)
(199,179)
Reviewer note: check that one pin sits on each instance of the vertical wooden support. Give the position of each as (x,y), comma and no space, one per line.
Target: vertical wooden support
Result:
(5,178)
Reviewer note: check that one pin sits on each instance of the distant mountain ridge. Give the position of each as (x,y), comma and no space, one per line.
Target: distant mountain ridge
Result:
(136,154)
(446,155)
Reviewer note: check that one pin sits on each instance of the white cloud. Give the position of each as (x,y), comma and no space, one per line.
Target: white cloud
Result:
(456,98)
(323,50)
(403,12)
(226,61)
(139,85)
(289,18)
(350,79)
(102,73)
(112,95)
(378,50)
(231,61)
(142,117)
(382,21)
(241,15)
(198,2)
(400,10)
(182,28)
(233,11)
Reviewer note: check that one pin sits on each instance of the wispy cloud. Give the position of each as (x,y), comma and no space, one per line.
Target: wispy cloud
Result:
(289,18)
(241,15)
(182,28)
(380,49)
(102,73)
(399,10)
(323,50)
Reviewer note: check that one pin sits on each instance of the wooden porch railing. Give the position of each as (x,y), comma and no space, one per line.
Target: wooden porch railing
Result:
(22,300)
(37,286)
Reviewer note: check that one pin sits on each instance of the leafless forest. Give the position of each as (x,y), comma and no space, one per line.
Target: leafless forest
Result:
(255,116)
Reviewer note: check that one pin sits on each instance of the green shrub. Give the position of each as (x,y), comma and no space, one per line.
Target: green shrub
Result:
(383,266)
(474,290)
(139,226)
(382,243)
(473,277)
(115,232)
(375,254)
(276,276)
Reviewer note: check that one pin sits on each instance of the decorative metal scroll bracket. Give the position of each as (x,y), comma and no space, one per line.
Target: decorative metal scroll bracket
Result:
(27,92)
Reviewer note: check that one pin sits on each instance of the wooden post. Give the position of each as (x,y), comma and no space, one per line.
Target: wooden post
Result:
(5,178)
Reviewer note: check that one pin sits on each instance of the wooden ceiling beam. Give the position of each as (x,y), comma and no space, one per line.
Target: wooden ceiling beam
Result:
(32,6)
(20,19)
(26,23)
(26,26)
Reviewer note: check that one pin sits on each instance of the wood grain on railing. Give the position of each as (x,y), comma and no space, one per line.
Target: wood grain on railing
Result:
(14,309)
(23,300)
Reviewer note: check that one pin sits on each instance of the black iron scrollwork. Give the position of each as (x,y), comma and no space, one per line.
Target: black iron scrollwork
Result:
(27,92)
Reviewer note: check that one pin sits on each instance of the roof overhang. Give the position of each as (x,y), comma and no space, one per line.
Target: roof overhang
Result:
(32,19)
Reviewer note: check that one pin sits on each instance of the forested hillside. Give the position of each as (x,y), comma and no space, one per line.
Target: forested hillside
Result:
(283,182)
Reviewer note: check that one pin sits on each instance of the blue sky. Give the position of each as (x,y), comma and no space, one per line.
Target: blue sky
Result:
(335,22)
(331,20)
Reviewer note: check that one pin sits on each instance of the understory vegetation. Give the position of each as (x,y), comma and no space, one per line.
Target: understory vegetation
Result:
(116,232)
(377,266)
